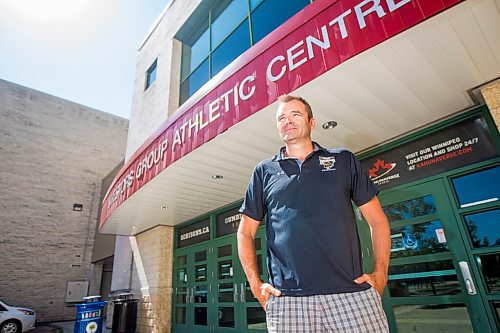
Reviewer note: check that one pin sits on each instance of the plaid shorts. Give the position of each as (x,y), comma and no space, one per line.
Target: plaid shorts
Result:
(358,312)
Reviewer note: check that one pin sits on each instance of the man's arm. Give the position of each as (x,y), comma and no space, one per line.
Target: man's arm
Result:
(246,251)
(381,239)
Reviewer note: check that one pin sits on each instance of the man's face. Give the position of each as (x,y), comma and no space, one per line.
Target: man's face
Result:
(293,122)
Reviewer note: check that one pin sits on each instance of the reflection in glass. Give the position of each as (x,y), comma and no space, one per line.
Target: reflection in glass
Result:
(258,244)
(418,239)
(151,75)
(182,275)
(256,318)
(200,294)
(259,264)
(226,292)
(224,251)
(200,316)
(443,318)
(195,81)
(225,269)
(181,295)
(490,268)
(423,279)
(410,208)
(227,35)
(496,310)
(182,260)
(195,48)
(200,273)
(231,48)
(479,187)
(484,228)
(226,15)
(180,315)
(226,317)
(254,3)
(200,256)
(271,14)
(200,48)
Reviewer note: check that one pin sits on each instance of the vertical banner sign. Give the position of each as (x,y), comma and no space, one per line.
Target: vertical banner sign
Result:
(453,147)
(194,233)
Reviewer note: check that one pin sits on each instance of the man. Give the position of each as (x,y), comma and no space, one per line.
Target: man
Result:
(316,283)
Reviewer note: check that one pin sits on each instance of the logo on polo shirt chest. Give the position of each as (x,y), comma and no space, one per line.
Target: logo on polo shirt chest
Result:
(327,163)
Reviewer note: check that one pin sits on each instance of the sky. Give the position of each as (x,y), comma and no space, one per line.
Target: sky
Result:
(83,51)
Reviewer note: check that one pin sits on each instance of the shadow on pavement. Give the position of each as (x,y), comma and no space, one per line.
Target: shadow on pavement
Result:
(60,327)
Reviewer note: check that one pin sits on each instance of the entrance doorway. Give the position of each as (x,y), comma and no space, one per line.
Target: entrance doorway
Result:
(211,290)
(443,274)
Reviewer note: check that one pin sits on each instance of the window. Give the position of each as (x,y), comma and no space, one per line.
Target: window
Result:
(234,45)
(478,188)
(417,239)
(484,228)
(150,75)
(271,14)
(490,267)
(219,31)
(423,279)
(409,209)
(226,15)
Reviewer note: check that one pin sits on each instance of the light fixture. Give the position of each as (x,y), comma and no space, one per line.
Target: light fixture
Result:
(163,207)
(77,207)
(217,177)
(329,125)
(133,227)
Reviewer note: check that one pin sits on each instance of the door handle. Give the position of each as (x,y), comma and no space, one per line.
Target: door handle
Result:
(242,292)
(469,282)
(192,295)
(235,294)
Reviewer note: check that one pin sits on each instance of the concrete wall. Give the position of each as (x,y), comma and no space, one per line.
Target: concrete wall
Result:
(144,263)
(54,153)
(152,278)
(151,107)
(104,245)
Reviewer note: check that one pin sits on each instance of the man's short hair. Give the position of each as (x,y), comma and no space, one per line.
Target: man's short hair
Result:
(288,98)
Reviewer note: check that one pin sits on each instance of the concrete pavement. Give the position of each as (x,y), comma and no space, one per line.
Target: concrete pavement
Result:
(60,327)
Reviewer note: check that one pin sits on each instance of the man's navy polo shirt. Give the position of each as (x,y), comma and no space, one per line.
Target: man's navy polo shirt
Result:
(312,240)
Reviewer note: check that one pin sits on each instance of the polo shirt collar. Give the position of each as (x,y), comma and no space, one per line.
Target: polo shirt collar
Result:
(281,154)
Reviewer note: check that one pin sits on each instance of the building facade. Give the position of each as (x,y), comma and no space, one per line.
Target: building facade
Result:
(413,89)
(54,155)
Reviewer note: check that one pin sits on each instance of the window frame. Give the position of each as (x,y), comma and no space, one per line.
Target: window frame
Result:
(152,69)
(207,10)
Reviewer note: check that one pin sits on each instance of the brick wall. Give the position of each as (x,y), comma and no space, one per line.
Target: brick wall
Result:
(152,278)
(491,95)
(54,153)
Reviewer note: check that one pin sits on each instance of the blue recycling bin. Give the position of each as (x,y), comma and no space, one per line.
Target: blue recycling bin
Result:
(89,315)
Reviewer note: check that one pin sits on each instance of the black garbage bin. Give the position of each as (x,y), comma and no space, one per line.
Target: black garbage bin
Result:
(124,313)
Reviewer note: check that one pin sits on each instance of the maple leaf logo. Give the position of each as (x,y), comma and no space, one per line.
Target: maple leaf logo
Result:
(380,169)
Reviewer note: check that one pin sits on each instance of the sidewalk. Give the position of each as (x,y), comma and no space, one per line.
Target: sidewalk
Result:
(60,327)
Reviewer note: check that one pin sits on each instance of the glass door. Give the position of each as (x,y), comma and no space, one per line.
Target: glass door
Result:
(211,293)
(234,306)
(192,291)
(432,285)
(477,205)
